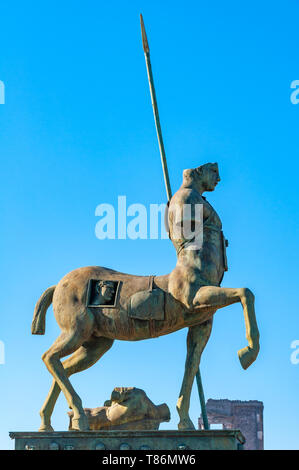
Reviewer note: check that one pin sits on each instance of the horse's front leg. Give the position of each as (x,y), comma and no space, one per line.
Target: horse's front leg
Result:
(249,354)
(219,297)
(196,341)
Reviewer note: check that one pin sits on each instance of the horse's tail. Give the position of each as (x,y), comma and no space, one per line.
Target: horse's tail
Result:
(38,325)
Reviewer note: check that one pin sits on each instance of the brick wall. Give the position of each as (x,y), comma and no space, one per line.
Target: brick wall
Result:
(247,416)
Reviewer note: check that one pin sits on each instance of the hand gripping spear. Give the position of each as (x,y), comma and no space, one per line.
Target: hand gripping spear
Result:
(167,182)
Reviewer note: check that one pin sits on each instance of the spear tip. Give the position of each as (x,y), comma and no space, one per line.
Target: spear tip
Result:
(144,38)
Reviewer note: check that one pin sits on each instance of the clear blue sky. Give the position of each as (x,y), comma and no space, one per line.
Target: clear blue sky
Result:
(77,130)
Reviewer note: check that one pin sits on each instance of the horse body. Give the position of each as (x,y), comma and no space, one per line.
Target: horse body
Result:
(70,296)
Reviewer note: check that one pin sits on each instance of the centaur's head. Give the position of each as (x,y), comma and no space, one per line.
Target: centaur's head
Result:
(203,178)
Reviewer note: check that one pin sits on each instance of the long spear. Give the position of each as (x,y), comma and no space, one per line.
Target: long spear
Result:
(167,182)
(155,108)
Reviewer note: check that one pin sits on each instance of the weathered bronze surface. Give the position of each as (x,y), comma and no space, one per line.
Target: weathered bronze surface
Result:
(128,408)
(191,292)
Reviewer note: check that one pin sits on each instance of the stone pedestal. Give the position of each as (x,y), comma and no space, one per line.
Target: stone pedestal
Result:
(129,440)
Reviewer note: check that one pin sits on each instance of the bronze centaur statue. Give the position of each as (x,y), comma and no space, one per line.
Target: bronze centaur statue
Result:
(94,305)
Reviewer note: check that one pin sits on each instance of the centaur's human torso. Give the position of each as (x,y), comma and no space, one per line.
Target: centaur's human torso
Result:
(206,264)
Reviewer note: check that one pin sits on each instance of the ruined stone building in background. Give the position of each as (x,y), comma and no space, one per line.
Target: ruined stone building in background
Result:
(247,416)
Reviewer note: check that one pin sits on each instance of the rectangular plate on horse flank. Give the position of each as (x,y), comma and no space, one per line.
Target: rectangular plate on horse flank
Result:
(147,305)
(102,293)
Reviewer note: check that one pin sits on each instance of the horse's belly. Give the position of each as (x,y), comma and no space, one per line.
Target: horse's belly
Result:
(118,324)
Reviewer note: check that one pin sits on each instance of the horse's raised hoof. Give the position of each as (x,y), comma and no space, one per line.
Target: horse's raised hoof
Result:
(186,425)
(80,424)
(46,428)
(247,356)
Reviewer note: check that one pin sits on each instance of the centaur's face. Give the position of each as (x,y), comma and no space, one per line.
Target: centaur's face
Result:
(210,177)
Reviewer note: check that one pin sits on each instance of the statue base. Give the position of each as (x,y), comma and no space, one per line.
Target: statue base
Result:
(129,440)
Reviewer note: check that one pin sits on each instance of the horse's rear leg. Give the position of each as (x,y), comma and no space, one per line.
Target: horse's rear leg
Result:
(196,341)
(219,297)
(87,355)
(66,344)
